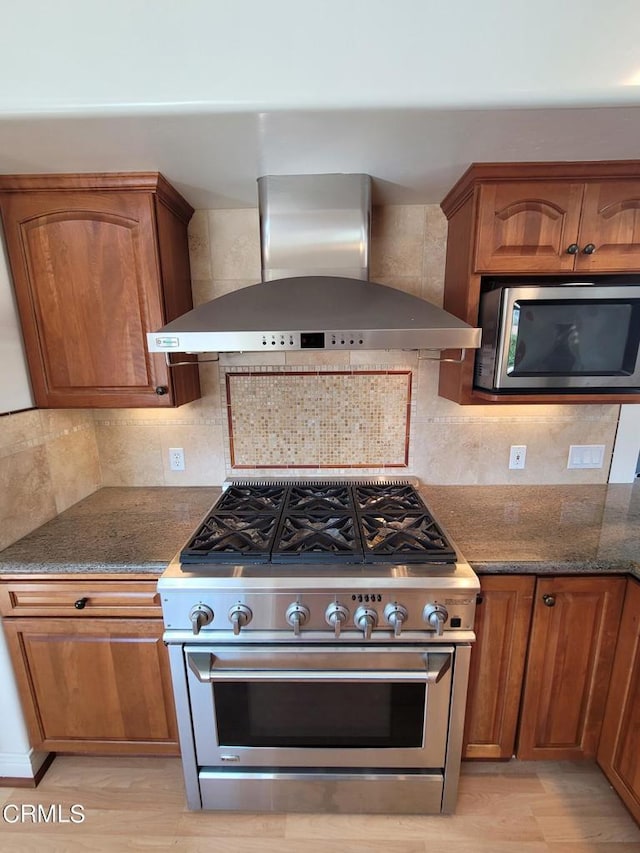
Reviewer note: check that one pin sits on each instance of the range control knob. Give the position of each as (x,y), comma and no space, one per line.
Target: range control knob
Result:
(435,615)
(297,615)
(200,615)
(396,614)
(366,619)
(239,616)
(335,615)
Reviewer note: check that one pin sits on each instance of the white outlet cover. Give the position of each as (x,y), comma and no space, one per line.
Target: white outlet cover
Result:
(517,456)
(176,458)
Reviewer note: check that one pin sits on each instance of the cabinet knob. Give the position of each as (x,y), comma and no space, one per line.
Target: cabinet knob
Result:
(589,249)
(573,249)
(161,390)
(549,600)
(81,603)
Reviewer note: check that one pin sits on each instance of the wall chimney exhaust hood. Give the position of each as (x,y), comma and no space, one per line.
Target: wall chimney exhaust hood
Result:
(315,292)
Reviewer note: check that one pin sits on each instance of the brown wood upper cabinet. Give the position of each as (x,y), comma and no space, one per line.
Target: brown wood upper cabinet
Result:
(558,226)
(543,219)
(97,261)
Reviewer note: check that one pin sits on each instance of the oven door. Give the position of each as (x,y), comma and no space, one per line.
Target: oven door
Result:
(320,706)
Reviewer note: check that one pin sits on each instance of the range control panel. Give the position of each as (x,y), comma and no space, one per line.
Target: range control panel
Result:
(356,615)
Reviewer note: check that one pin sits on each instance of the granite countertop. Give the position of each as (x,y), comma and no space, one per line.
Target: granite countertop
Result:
(114,530)
(517,529)
(542,529)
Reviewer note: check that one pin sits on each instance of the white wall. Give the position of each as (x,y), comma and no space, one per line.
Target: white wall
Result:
(627,447)
(17,759)
(15,390)
(73,55)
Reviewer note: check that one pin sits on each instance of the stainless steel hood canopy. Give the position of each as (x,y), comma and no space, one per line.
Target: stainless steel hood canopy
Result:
(315,263)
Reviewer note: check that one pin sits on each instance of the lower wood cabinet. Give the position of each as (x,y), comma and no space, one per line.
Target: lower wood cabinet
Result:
(92,684)
(541,666)
(571,646)
(619,749)
(498,658)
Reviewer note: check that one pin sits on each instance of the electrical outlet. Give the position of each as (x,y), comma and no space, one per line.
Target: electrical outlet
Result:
(176,458)
(517,456)
(585,456)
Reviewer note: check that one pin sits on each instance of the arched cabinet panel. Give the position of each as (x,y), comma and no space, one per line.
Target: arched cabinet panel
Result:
(92,276)
(527,228)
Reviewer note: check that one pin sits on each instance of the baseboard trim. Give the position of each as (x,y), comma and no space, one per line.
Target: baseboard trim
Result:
(28,781)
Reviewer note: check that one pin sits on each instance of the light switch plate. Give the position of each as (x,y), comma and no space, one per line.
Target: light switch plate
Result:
(585,456)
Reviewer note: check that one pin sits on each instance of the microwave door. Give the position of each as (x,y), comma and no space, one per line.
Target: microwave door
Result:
(568,337)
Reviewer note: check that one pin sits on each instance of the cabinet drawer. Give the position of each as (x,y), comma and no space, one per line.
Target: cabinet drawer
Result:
(73,598)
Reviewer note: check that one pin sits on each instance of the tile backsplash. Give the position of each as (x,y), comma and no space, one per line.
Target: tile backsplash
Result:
(48,460)
(279,418)
(448,443)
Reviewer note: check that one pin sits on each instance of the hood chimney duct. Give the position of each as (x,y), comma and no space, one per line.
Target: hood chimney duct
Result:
(315,225)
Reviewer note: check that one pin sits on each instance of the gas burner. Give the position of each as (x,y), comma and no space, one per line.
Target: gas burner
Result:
(251,499)
(305,538)
(410,537)
(307,522)
(388,499)
(227,537)
(318,498)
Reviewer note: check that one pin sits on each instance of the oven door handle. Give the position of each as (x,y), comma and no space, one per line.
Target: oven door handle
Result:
(202,664)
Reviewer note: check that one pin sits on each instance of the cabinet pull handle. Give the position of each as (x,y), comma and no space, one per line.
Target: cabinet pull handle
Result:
(589,249)
(573,249)
(161,390)
(81,603)
(549,600)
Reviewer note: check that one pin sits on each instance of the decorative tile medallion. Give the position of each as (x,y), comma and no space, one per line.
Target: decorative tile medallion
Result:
(328,419)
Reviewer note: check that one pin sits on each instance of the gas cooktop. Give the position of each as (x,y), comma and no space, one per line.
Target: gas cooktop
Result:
(313,522)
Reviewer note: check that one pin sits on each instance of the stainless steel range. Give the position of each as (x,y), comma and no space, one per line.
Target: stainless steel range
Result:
(319,635)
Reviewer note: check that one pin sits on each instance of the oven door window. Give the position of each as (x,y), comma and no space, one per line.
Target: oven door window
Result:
(295,714)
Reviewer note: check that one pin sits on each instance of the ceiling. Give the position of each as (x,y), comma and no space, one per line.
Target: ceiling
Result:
(214,94)
(413,155)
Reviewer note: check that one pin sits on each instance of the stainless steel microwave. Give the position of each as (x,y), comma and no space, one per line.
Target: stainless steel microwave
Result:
(582,335)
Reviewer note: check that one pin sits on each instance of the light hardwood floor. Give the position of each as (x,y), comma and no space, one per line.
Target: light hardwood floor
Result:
(138,804)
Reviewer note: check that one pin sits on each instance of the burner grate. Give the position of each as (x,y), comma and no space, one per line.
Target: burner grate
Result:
(413,537)
(319,498)
(251,499)
(226,538)
(319,521)
(388,499)
(316,537)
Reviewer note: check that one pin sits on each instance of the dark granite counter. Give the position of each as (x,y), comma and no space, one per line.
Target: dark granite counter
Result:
(516,529)
(115,530)
(542,529)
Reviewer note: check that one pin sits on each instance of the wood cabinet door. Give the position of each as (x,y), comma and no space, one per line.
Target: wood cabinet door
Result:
(571,647)
(619,749)
(86,272)
(611,224)
(100,686)
(498,657)
(527,226)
